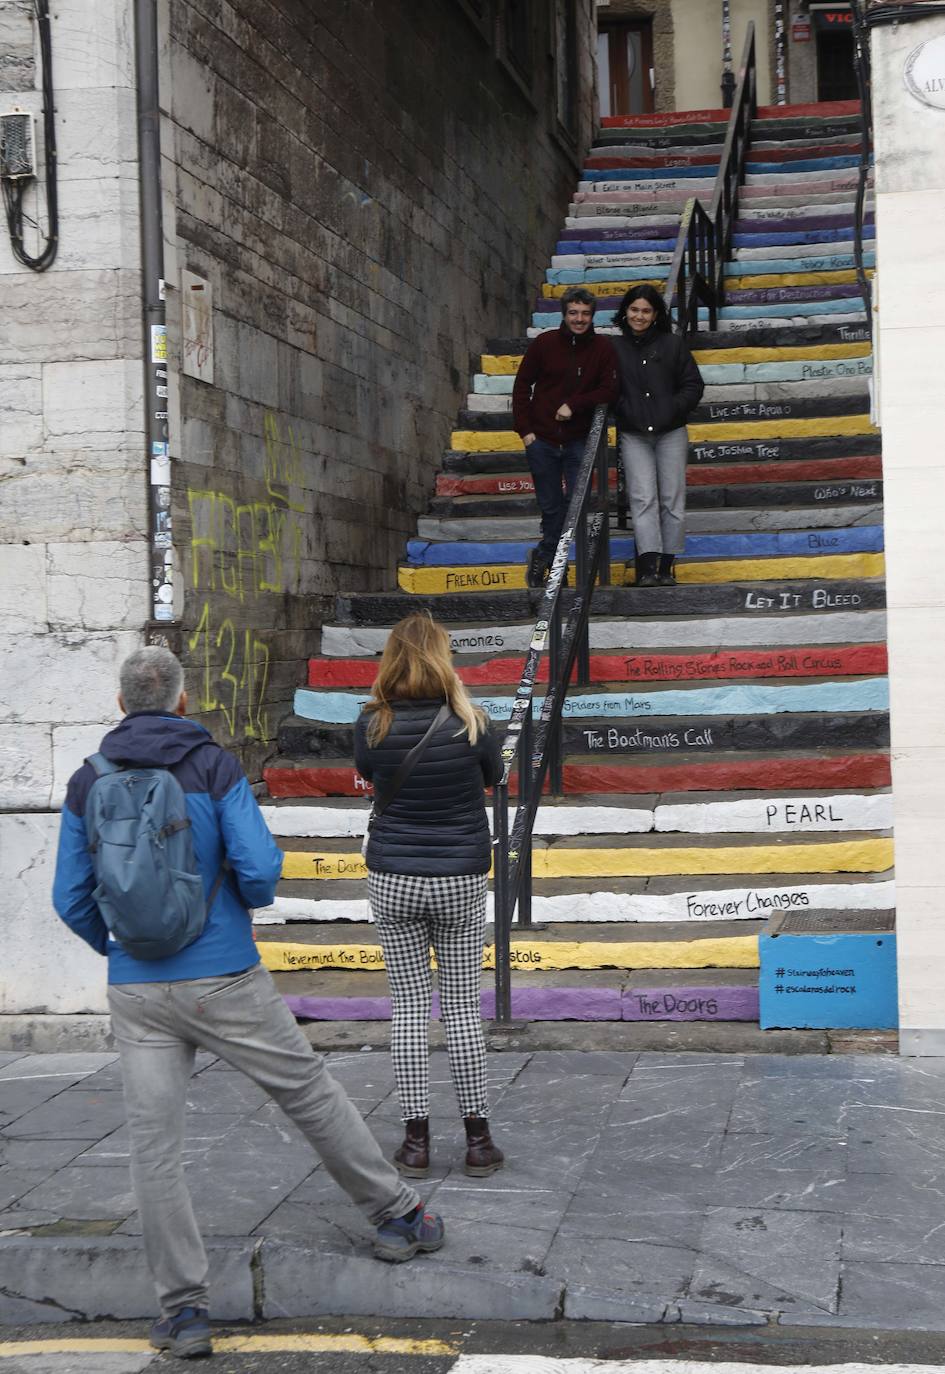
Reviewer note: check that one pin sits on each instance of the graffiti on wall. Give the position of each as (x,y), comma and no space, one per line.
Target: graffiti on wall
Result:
(245,551)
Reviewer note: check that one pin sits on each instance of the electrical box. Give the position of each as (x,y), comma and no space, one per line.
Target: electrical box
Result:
(17,145)
(829,970)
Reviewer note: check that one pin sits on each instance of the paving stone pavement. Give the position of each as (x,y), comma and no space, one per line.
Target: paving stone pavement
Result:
(639,1187)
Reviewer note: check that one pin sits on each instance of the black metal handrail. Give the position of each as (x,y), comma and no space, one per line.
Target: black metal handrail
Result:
(697,272)
(536,747)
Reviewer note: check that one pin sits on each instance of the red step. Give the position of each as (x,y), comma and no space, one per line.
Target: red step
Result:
(702,475)
(819,661)
(669,118)
(752,775)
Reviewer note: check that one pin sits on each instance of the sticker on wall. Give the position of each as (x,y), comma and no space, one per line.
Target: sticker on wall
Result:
(196,327)
(159,343)
(924,73)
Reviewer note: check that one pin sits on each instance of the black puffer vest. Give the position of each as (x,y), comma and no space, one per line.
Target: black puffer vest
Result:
(436,826)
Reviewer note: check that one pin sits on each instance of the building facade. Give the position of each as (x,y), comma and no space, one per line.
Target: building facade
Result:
(225,398)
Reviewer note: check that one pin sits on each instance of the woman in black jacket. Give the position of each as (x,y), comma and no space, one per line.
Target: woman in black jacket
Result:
(660,387)
(428,858)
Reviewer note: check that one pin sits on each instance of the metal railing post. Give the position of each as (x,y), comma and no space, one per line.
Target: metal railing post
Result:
(536,747)
(582,579)
(502,917)
(603,496)
(524,909)
(696,273)
(554,673)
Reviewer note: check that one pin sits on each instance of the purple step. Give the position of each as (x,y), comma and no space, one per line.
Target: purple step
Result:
(725,1003)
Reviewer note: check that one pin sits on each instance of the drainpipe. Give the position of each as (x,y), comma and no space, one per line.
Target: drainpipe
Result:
(154,322)
(780,53)
(728,76)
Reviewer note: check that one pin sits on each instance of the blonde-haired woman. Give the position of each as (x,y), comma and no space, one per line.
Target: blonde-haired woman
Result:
(428,857)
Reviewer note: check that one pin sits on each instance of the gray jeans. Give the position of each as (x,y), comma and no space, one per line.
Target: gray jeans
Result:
(241,1018)
(654,467)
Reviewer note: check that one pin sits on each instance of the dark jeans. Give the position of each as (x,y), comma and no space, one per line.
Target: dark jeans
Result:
(550,466)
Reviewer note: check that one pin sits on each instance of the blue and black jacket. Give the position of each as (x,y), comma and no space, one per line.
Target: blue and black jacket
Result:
(227,824)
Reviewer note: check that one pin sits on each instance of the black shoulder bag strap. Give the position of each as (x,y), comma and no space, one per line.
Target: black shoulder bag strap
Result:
(410,762)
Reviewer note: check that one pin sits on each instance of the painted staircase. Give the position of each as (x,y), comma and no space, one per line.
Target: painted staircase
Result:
(729,758)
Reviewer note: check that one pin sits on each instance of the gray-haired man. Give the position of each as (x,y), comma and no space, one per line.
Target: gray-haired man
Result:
(213,994)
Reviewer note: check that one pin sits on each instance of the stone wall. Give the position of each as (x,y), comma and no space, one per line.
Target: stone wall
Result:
(370,191)
(73,569)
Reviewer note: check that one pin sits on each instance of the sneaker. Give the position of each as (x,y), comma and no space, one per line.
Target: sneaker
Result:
(185,1333)
(402,1237)
(537,569)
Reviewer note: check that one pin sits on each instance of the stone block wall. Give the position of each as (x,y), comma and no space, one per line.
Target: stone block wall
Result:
(73,594)
(370,192)
(73,565)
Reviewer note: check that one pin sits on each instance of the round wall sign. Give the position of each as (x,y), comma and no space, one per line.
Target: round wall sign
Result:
(924,72)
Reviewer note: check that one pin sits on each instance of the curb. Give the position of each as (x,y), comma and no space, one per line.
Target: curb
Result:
(44,1280)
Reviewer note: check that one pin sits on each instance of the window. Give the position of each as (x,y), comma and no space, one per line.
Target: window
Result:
(515,39)
(566,66)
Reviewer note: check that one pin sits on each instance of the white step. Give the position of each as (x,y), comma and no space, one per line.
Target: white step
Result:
(630,635)
(603,906)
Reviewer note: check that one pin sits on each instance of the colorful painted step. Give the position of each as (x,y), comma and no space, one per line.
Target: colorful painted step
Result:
(808,661)
(753,730)
(655,902)
(311,778)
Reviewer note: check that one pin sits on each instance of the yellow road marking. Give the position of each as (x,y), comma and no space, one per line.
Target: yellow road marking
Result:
(511,576)
(845,856)
(506,364)
(316,1343)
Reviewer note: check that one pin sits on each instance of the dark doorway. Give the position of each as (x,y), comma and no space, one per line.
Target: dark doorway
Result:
(625,67)
(833,28)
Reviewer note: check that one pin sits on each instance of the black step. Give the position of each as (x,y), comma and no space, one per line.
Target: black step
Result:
(737,497)
(700,736)
(722,412)
(687,599)
(731,451)
(792,336)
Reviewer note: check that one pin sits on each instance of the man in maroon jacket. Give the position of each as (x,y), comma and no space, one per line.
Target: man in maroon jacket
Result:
(565,373)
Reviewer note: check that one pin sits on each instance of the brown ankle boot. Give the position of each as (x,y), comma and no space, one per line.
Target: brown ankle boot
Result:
(483,1157)
(413,1157)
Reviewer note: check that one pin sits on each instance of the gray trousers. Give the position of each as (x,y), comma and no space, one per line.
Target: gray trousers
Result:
(654,467)
(241,1018)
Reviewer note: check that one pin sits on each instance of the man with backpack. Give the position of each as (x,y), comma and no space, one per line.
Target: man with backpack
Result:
(163,851)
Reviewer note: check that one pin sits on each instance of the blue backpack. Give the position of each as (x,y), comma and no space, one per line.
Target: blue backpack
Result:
(149,890)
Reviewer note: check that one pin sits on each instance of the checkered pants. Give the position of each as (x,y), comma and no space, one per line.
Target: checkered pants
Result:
(411,914)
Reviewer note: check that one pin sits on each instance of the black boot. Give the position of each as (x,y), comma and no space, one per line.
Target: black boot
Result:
(664,576)
(413,1157)
(648,574)
(483,1156)
(537,570)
